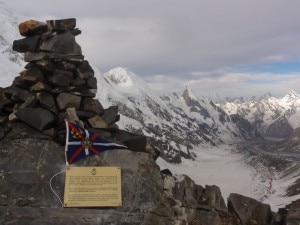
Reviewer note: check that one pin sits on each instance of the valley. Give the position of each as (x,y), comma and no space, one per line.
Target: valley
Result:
(252,168)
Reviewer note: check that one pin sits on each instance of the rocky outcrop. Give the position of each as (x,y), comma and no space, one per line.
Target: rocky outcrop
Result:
(280,128)
(249,211)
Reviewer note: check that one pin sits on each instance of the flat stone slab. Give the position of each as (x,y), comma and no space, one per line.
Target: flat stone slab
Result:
(38,118)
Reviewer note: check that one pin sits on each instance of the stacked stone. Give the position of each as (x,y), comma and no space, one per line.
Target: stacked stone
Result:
(57,81)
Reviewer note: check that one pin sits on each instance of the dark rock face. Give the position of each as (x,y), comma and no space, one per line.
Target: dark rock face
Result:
(30,161)
(293,214)
(29,44)
(38,118)
(249,211)
(280,128)
(63,43)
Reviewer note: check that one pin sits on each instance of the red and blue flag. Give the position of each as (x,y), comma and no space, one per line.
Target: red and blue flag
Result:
(81,143)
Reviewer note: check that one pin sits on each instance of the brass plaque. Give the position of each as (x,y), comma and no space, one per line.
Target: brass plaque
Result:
(93,187)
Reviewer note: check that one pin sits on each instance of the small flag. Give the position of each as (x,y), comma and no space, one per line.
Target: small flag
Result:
(81,143)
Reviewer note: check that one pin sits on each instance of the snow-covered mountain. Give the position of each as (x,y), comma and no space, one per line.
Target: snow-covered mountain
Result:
(11,63)
(177,123)
(269,113)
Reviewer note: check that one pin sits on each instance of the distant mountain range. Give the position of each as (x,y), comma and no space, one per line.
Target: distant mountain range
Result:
(272,117)
(177,123)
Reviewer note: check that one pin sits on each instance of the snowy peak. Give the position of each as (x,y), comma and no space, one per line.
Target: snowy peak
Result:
(119,76)
(265,96)
(125,81)
(291,97)
(188,96)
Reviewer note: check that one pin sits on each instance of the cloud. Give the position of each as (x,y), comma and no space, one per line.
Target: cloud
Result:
(176,38)
(229,84)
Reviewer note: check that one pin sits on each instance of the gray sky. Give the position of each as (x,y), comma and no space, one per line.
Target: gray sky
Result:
(233,47)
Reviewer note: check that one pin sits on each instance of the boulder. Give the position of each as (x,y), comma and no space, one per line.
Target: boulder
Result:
(110,115)
(97,122)
(38,118)
(47,101)
(32,76)
(92,105)
(62,43)
(185,191)
(29,44)
(30,102)
(293,215)
(134,142)
(39,86)
(85,71)
(17,94)
(60,80)
(32,27)
(213,198)
(92,83)
(249,210)
(37,56)
(66,100)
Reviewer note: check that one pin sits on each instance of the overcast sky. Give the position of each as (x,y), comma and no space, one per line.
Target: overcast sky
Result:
(233,47)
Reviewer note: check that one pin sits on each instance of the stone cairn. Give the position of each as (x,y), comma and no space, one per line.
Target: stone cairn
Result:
(57,82)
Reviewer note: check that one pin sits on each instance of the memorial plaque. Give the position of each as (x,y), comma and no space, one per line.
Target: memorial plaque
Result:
(93,187)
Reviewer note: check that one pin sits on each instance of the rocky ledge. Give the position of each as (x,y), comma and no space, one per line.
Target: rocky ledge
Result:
(59,84)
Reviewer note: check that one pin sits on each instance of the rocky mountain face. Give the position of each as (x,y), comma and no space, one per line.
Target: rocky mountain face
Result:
(32,185)
(177,124)
(59,84)
(272,117)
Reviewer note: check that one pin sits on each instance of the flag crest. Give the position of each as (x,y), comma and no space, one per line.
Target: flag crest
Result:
(81,143)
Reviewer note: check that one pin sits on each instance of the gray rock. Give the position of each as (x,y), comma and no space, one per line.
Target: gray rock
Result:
(37,56)
(29,44)
(39,86)
(63,43)
(85,71)
(66,100)
(78,81)
(45,65)
(134,142)
(293,215)
(60,80)
(185,191)
(206,218)
(92,105)
(110,115)
(17,94)
(47,101)
(61,25)
(248,210)
(38,118)
(92,83)
(97,122)
(212,197)
(30,102)
(32,75)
